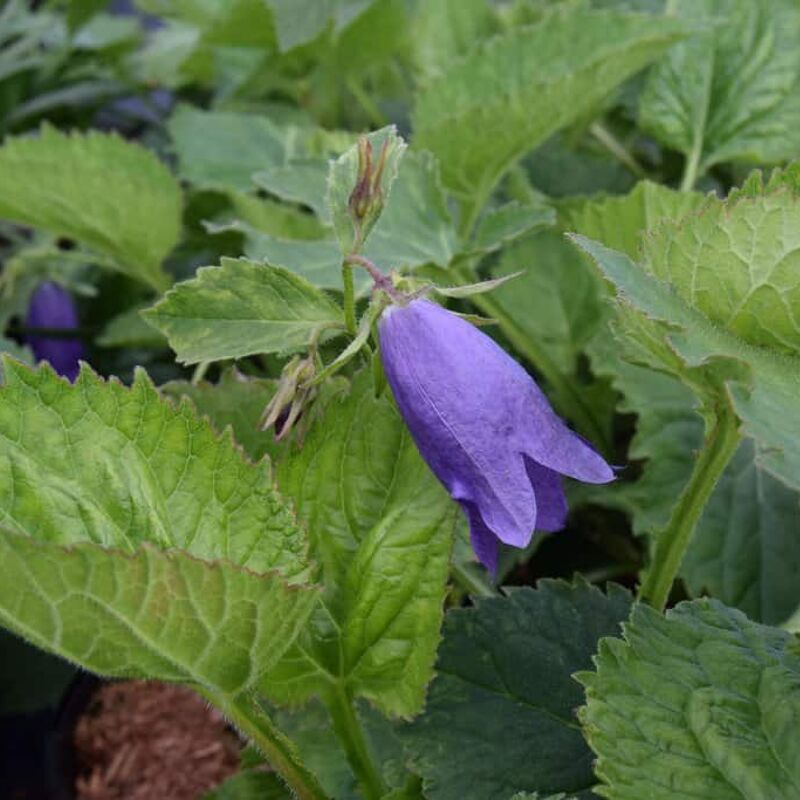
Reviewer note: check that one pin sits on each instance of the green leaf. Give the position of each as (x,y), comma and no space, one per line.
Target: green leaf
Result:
(381,527)
(222,149)
(303,181)
(477,117)
(250,784)
(300,21)
(241,308)
(700,703)
(736,262)
(658,327)
(500,716)
(273,217)
(510,222)
(236,401)
(557,301)
(76,186)
(319,261)
(373,180)
(136,541)
(622,222)
(471,289)
(325,755)
(535,796)
(746,549)
(128,329)
(446,30)
(732,91)
(415,227)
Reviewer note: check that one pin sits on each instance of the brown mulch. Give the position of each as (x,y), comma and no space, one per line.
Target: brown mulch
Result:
(142,740)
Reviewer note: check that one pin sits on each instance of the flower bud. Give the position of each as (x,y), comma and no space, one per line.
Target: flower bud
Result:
(51,306)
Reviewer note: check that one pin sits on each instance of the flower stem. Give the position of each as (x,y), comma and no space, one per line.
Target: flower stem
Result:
(200,372)
(568,399)
(348,729)
(349,297)
(721,443)
(692,166)
(253,722)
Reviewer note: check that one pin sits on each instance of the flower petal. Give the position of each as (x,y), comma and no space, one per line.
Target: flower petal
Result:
(53,307)
(549,442)
(457,392)
(551,503)
(484,542)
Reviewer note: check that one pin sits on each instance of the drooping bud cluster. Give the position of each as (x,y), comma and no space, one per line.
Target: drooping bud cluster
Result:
(293,396)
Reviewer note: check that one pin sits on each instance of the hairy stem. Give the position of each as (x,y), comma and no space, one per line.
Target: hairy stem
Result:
(349,297)
(348,730)
(568,398)
(251,720)
(722,439)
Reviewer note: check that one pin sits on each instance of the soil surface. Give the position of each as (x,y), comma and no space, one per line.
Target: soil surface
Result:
(142,740)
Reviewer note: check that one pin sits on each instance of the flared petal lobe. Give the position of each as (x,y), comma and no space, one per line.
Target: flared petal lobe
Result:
(53,307)
(482,425)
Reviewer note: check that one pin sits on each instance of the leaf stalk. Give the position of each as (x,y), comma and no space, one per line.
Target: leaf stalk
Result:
(722,439)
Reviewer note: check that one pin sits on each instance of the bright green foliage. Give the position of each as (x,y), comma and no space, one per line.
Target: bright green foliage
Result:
(667,332)
(622,222)
(445,30)
(732,91)
(128,329)
(746,550)
(700,703)
(746,545)
(137,542)
(500,716)
(507,223)
(113,197)
(319,261)
(323,754)
(250,784)
(478,118)
(737,262)
(381,529)
(119,466)
(558,300)
(363,179)
(222,149)
(241,308)
(300,21)
(415,228)
(274,217)
(301,180)
(234,400)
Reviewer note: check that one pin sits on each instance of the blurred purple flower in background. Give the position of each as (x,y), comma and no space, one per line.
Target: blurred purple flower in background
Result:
(51,306)
(483,426)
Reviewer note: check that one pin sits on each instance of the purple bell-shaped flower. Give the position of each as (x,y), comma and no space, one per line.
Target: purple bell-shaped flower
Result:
(51,306)
(483,426)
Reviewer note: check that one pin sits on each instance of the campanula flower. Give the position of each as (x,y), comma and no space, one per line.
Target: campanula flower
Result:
(483,426)
(53,307)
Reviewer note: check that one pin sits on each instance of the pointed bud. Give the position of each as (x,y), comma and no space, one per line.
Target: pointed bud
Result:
(291,398)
